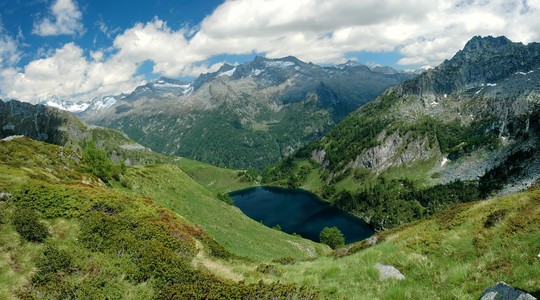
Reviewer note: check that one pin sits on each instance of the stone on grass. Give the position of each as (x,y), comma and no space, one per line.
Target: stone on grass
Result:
(502,291)
(388,272)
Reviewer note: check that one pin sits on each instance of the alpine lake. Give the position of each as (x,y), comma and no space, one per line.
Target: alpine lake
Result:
(298,211)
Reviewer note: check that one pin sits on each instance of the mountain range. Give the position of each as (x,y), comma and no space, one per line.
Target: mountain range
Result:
(243,116)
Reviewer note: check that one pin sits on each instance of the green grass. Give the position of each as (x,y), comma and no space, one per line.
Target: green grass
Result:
(215,179)
(455,254)
(449,256)
(119,243)
(16,256)
(169,186)
(419,172)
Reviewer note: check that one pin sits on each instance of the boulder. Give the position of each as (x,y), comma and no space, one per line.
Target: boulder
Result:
(5,197)
(388,272)
(502,291)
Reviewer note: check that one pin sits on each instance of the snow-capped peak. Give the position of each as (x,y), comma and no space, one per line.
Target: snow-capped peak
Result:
(55,102)
(228,73)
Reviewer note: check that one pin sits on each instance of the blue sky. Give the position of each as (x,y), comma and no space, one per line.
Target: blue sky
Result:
(81,49)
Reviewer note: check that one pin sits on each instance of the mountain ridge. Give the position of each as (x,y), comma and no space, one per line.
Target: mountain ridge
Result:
(245,116)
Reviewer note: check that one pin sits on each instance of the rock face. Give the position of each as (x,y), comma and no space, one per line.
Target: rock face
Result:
(38,122)
(483,61)
(393,150)
(388,272)
(5,197)
(502,291)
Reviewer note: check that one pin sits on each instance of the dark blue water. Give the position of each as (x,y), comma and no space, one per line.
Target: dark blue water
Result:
(298,211)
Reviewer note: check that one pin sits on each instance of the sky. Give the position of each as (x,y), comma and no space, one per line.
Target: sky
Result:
(81,49)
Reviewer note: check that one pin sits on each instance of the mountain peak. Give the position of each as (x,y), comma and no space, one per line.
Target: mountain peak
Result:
(479,43)
(483,61)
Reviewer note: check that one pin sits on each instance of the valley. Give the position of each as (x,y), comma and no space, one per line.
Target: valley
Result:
(440,170)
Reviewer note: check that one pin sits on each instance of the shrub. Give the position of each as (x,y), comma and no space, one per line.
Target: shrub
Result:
(269,270)
(494,218)
(332,236)
(225,198)
(285,260)
(27,224)
(98,162)
(54,260)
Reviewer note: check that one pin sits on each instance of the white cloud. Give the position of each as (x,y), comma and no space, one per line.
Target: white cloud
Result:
(68,74)
(425,32)
(9,50)
(65,19)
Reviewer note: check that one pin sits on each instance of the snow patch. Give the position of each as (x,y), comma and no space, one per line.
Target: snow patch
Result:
(162,83)
(188,90)
(477,92)
(279,64)
(444,161)
(491,84)
(12,137)
(71,107)
(255,72)
(105,103)
(227,73)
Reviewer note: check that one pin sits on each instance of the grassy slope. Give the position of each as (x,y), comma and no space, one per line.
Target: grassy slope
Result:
(169,186)
(215,179)
(455,254)
(451,255)
(57,178)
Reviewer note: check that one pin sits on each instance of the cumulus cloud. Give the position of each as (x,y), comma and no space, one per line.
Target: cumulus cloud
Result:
(70,75)
(9,49)
(65,18)
(424,32)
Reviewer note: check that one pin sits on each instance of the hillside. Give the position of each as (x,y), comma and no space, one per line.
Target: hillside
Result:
(474,119)
(244,116)
(113,241)
(55,126)
(124,242)
(455,254)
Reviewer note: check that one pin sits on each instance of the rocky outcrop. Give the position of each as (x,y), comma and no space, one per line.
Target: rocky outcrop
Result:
(502,291)
(388,272)
(394,150)
(38,122)
(483,61)
(319,156)
(5,197)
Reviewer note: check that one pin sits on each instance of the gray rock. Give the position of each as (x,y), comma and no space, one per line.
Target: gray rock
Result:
(373,240)
(5,197)
(388,272)
(502,291)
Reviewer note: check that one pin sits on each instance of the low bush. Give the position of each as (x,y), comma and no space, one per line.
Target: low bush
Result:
(28,225)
